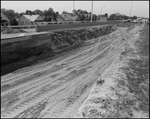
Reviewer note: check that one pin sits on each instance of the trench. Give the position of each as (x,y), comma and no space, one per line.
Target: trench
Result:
(24,51)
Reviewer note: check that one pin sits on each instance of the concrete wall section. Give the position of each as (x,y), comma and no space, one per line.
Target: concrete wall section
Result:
(64,26)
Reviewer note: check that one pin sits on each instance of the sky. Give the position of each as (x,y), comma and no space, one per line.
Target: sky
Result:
(139,8)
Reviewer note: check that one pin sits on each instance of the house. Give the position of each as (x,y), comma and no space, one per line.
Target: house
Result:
(70,17)
(4,20)
(30,19)
(60,18)
(67,16)
(75,18)
(87,15)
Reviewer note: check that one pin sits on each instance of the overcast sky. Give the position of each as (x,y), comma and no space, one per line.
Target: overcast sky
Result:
(122,7)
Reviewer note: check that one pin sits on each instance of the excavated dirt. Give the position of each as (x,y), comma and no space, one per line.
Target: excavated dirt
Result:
(58,87)
(123,89)
(27,50)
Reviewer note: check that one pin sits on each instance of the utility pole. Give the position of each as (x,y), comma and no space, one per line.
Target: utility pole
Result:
(101,10)
(92,11)
(130,9)
(73,8)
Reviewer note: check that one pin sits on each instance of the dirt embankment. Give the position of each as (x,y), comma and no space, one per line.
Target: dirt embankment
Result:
(56,88)
(123,89)
(26,50)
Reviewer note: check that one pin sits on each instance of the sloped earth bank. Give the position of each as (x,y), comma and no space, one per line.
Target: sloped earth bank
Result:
(122,91)
(58,87)
(27,50)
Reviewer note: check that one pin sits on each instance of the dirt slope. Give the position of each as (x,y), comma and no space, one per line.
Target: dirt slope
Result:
(58,87)
(123,89)
(23,51)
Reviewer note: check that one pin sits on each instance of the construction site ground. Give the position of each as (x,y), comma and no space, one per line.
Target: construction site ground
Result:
(106,77)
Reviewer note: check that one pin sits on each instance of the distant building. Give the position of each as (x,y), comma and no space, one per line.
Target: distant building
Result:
(67,16)
(30,19)
(87,15)
(70,17)
(102,18)
(60,18)
(4,20)
(75,18)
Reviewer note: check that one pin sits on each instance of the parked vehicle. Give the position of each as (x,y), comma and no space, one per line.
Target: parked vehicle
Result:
(128,20)
(134,21)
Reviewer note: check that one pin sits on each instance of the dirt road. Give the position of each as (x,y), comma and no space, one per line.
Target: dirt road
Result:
(58,87)
(125,91)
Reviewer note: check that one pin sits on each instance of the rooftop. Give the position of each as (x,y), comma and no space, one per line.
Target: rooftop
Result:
(4,18)
(31,17)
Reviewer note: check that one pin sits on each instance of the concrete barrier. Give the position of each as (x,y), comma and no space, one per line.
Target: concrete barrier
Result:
(73,25)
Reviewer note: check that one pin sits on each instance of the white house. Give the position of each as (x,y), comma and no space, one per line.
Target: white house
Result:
(30,19)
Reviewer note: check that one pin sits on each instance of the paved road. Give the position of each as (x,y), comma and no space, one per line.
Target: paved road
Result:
(57,88)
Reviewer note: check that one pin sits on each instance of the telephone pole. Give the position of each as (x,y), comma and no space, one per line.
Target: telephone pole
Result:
(73,8)
(130,9)
(92,11)
(102,9)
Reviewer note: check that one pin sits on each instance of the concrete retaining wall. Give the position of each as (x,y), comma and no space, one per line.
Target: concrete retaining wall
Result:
(64,26)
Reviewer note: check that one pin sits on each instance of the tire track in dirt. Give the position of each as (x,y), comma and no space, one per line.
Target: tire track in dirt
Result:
(57,88)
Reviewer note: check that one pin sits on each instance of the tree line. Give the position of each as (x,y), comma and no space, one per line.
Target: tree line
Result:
(50,15)
(13,16)
(118,16)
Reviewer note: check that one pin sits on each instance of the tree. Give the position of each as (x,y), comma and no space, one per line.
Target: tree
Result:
(57,13)
(81,14)
(82,17)
(11,15)
(84,12)
(22,13)
(75,12)
(117,16)
(134,17)
(38,12)
(17,15)
(28,12)
(50,15)
(64,12)
(94,17)
(106,15)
